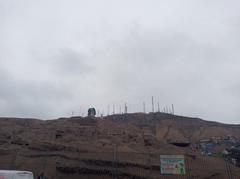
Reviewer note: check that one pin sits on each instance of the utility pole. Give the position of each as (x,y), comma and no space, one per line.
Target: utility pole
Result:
(108,110)
(172,109)
(152,104)
(125,108)
(114,109)
(144,107)
(158,107)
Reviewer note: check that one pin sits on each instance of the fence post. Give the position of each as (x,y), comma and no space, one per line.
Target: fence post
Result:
(228,170)
(14,158)
(188,171)
(114,163)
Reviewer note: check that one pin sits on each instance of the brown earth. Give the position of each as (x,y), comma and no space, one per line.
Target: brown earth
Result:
(127,146)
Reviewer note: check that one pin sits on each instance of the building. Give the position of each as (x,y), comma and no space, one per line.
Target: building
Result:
(92,112)
(234,155)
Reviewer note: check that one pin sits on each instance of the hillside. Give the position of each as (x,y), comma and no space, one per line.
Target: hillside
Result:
(125,145)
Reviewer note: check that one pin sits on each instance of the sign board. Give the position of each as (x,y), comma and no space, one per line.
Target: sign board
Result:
(172,165)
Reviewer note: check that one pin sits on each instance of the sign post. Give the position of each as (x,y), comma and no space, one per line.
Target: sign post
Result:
(172,165)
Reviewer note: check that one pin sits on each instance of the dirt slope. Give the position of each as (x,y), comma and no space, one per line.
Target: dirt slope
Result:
(132,143)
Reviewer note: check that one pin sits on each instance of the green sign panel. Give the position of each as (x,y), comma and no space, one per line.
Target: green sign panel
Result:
(172,165)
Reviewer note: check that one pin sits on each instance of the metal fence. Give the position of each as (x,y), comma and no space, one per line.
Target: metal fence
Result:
(103,165)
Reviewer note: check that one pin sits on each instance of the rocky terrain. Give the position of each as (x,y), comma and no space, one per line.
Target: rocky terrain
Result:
(116,146)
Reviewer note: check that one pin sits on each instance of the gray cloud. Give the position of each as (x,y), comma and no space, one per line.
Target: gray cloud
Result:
(70,62)
(61,56)
(30,99)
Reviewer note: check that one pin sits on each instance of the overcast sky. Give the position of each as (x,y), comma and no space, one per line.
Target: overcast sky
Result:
(60,56)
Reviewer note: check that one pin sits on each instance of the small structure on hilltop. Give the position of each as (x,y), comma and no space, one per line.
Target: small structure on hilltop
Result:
(91,112)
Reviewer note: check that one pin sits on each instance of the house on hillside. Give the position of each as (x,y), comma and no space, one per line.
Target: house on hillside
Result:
(206,146)
(234,155)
